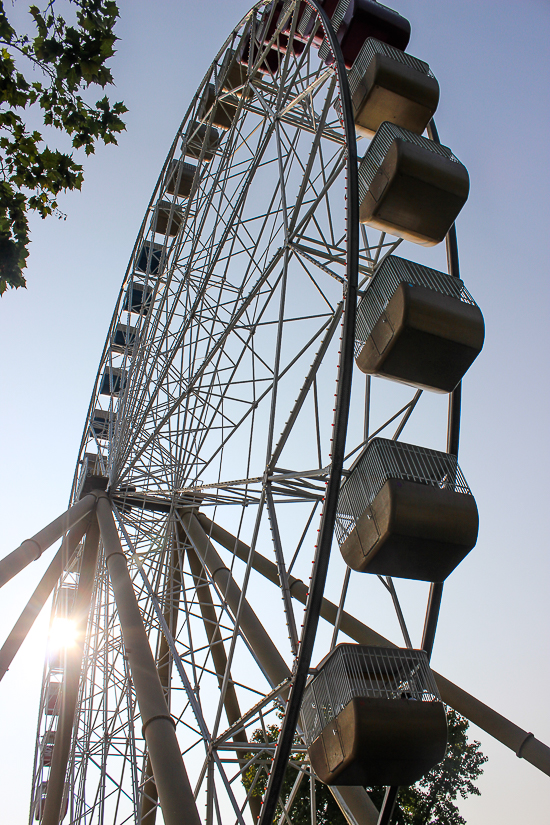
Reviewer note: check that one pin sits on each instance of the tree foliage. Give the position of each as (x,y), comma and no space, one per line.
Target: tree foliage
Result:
(430,802)
(67,59)
(255,782)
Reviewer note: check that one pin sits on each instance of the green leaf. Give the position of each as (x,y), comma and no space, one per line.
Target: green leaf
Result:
(71,59)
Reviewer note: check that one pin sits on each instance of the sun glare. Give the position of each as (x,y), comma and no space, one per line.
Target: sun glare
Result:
(62,634)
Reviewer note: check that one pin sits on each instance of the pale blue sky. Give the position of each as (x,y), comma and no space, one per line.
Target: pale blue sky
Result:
(491,62)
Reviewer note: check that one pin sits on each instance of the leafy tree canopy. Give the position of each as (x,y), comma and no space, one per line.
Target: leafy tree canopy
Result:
(69,59)
(429,802)
(255,782)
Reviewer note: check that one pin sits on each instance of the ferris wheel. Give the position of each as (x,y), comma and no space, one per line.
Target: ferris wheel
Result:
(272,339)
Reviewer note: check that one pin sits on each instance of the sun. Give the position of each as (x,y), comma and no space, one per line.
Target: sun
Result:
(62,634)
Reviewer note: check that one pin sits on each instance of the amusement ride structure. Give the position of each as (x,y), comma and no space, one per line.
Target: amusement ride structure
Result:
(225,463)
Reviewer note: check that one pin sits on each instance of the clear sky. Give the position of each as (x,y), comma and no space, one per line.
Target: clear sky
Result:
(490,59)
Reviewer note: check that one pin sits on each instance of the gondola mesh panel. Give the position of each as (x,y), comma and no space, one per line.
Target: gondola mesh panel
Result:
(362,671)
(381,144)
(392,272)
(370,49)
(384,459)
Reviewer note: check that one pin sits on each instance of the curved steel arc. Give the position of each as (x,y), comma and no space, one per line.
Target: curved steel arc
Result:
(320,565)
(453,434)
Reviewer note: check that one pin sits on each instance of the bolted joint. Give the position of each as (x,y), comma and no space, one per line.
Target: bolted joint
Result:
(523,743)
(154,719)
(98,493)
(36,545)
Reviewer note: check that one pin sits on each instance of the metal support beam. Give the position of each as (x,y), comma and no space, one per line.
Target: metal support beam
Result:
(71,680)
(178,664)
(523,743)
(31,549)
(219,658)
(343,395)
(259,640)
(453,420)
(149,794)
(304,392)
(283,577)
(355,803)
(175,794)
(388,806)
(312,799)
(40,596)
(432,614)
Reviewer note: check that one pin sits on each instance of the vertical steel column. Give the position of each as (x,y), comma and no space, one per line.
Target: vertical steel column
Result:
(388,806)
(71,680)
(175,794)
(455,400)
(219,658)
(40,596)
(312,799)
(31,549)
(149,798)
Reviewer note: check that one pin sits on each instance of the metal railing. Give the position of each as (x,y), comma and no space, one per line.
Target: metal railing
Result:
(370,49)
(352,671)
(337,19)
(392,272)
(384,459)
(382,143)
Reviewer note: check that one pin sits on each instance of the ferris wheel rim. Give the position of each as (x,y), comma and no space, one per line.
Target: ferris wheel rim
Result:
(320,567)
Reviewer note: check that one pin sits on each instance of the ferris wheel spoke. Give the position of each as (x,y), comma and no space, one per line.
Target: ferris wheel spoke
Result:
(266,392)
(305,389)
(246,620)
(175,404)
(250,172)
(223,394)
(244,305)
